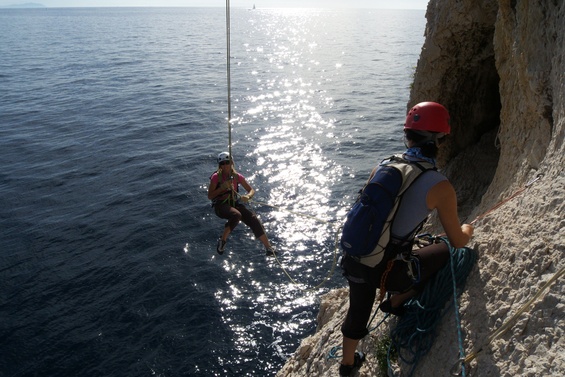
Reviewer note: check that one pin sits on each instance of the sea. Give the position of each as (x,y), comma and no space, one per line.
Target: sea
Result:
(111,120)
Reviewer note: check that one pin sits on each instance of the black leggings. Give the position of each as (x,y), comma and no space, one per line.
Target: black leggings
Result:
(364,281)
(239,213)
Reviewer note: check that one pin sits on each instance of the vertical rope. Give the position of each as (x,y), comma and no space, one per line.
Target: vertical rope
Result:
(228,73)
(457,318)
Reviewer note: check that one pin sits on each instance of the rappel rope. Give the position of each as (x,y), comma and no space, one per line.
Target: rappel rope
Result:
(228,72)
(457,316)
(228,76)
(326,278)
(336,246)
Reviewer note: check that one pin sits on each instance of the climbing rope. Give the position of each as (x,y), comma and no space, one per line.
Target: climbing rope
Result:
(456,308)
(228,69)
(423,313)
(415,333)
(326,278)
(502,202)
(228,74)
(456,370)
(336,246)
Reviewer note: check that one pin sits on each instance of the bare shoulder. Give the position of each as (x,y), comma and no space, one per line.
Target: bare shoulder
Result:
(440,194)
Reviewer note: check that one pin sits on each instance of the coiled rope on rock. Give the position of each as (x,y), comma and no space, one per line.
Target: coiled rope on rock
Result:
(414,334)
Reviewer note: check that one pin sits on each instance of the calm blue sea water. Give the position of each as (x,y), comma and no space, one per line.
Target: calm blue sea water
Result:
(110,121)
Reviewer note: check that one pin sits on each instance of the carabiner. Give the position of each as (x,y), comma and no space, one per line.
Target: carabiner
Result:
(457,368)
(534,180)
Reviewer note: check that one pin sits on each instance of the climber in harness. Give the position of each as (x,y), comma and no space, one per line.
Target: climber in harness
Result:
(229,204)
(396,268)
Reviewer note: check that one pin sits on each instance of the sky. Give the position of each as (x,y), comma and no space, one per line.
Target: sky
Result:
(398,4)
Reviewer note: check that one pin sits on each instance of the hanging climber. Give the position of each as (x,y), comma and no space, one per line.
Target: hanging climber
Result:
(229,204)
(401,271)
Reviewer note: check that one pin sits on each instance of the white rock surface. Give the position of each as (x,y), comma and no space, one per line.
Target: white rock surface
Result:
(498,66)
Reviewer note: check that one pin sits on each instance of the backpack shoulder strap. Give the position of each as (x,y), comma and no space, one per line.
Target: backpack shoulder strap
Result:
(422,165)
(410,171)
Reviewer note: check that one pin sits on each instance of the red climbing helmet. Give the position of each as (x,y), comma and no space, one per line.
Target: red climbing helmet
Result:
(428,116)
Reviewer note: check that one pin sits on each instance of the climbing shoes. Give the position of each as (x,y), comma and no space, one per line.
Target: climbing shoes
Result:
(349,370)
(221,246)
(269,251)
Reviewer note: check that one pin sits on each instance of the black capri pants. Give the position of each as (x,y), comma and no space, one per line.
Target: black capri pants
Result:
(239,213)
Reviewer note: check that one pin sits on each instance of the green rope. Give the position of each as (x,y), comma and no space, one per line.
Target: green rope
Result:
(416,329)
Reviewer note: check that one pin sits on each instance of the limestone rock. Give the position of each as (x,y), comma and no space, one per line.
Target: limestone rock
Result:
(498,67)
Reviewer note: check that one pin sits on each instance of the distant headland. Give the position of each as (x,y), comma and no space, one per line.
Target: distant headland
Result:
(24,5)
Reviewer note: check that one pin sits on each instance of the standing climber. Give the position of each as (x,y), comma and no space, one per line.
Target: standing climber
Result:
(228,204)
(427,124)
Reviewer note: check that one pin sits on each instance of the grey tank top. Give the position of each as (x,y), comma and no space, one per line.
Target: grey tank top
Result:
(413,208)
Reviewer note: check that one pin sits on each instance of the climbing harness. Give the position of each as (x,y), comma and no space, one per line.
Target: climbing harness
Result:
(458,367)
(413,336)
(232,194)
(414,333)
(413,271)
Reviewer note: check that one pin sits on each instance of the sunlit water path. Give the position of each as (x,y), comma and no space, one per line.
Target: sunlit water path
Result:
(110,121)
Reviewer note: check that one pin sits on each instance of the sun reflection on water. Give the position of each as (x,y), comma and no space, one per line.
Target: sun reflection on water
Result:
(287,122)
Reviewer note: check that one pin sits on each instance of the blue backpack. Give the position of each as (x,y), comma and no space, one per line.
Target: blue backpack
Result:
(366,231)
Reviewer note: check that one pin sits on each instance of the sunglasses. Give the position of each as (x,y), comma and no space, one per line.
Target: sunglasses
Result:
(222,163)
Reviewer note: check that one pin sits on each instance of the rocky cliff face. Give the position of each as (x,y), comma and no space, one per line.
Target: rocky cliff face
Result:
(499,68)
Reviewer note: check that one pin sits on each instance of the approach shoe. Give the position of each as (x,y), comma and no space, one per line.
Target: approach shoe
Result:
(221,246)
(349,370)
(270,252)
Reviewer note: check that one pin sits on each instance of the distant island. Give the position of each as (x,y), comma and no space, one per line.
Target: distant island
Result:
(24,5)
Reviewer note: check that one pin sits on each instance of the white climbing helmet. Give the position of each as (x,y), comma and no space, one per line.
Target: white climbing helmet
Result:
(224,156)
